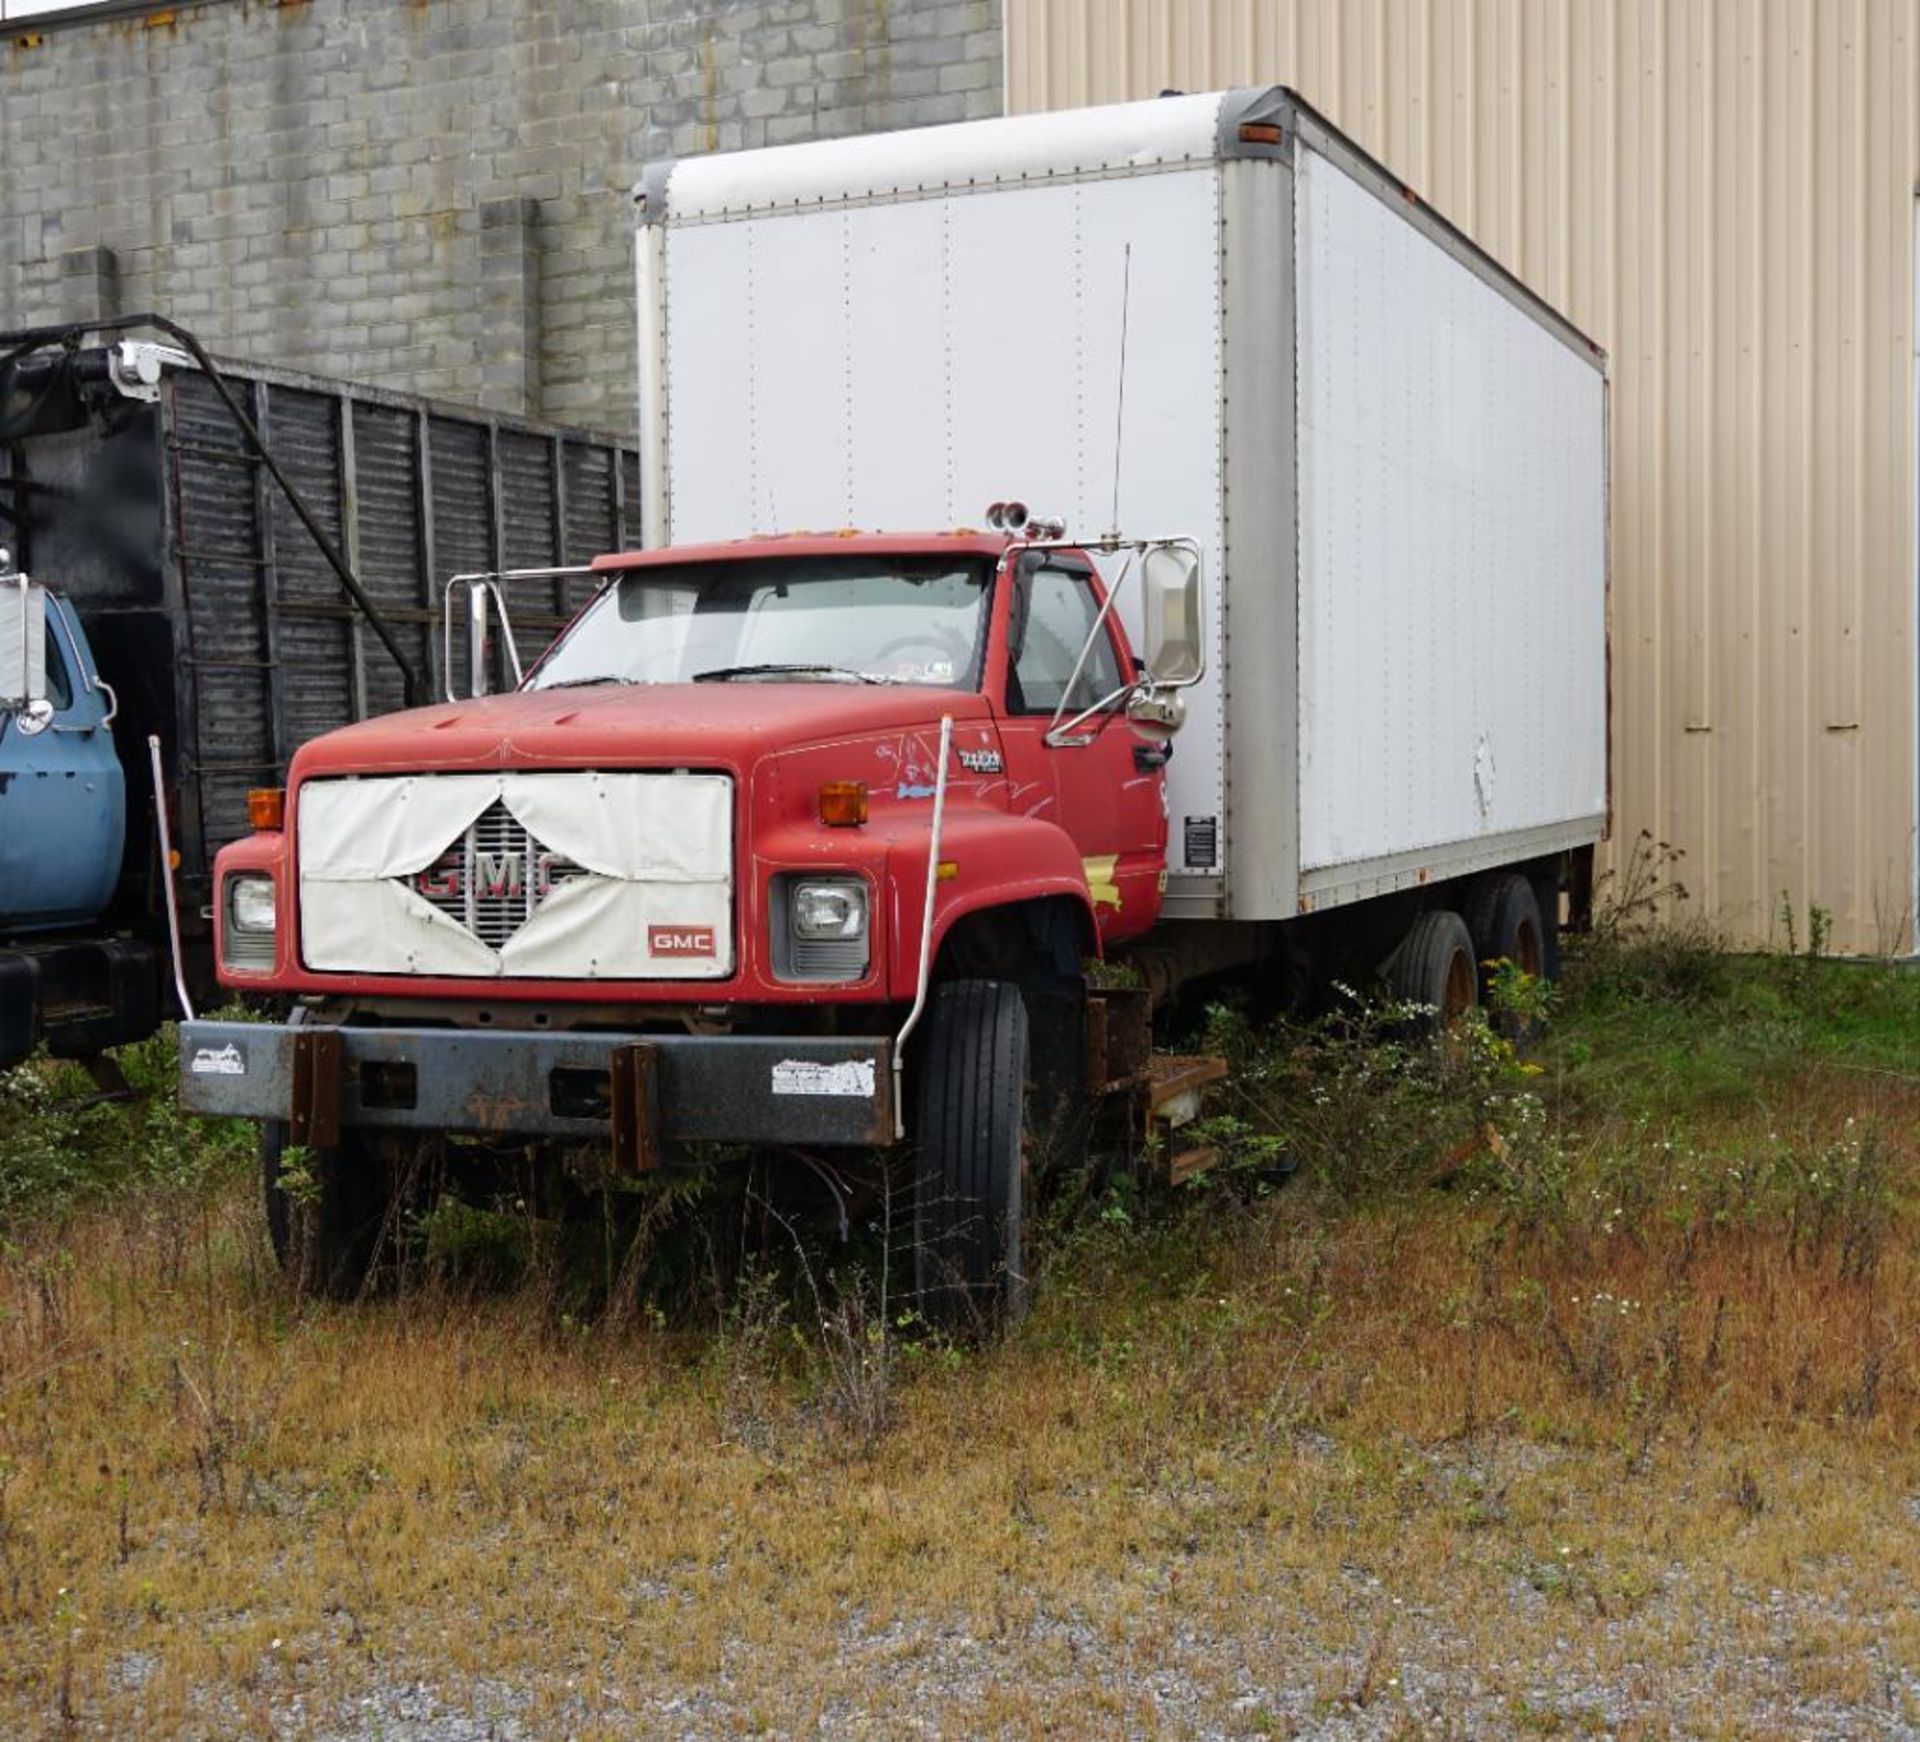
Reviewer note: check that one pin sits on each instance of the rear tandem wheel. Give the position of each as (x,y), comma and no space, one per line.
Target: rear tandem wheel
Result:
(1434,965)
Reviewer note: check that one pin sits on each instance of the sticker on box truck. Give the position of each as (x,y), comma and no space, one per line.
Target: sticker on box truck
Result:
(816,1077)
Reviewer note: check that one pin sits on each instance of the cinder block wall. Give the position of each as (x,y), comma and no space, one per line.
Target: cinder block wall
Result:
(427,194)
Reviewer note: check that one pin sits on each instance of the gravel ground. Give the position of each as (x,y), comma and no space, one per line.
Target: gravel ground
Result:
(1072,1679)
(1699,1657)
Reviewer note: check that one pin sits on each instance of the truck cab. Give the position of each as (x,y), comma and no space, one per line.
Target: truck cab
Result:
(771,820)
(63,792)
(63,804)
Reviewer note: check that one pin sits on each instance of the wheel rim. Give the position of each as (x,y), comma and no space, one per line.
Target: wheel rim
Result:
(1458,997)
(1526,949)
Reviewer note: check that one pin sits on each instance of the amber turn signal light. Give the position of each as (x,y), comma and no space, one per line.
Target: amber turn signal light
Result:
(843,803)
(267,808)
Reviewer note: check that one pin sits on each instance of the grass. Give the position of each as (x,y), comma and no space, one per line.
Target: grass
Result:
(1559,1398)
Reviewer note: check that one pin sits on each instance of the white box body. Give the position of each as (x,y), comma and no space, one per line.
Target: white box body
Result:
(1392,455)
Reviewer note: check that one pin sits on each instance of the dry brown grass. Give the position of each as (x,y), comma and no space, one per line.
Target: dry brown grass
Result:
(1279,1468)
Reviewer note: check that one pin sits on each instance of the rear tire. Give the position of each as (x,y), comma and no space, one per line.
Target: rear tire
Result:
(1546,897)
(1435,966)
(1503,916)
(969,1112)
(326,1229)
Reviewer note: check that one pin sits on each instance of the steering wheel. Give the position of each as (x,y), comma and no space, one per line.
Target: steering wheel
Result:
(942,641)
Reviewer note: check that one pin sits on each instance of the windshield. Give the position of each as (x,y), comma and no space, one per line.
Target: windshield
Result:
(831,619)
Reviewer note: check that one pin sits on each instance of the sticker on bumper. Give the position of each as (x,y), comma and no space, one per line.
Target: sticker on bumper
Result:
(218,1061)
(811,1077)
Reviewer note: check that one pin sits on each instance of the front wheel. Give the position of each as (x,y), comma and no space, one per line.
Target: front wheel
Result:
(969,1113)
(326,1209)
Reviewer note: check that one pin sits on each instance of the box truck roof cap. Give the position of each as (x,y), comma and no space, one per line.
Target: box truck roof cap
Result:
(1157,133)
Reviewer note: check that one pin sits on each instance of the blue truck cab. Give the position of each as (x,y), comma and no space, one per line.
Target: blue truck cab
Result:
(63,832)
(63,797)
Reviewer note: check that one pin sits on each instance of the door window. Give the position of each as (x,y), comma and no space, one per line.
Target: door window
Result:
(1056,609)
(59,683)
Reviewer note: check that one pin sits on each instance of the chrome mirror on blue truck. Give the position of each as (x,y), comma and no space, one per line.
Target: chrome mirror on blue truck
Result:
(23,648)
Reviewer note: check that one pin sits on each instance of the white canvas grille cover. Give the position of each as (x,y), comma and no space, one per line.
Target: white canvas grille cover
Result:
(651,898)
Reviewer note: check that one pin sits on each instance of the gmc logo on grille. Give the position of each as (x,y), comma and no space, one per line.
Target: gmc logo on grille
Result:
(495,876)
(681,940)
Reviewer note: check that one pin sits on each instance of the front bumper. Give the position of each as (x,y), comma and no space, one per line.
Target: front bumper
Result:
(80,997)
(634,1091)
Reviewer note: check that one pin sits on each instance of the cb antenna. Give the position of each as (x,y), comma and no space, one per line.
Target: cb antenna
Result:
(1120,398)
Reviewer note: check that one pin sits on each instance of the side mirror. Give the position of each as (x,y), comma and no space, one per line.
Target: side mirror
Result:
(1176,655)
(23,648)
(484,601)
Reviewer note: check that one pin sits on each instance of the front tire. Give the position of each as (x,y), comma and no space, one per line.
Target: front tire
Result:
(326,1222)
(969,1113)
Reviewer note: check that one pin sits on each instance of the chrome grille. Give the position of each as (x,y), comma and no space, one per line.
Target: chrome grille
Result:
(494,877)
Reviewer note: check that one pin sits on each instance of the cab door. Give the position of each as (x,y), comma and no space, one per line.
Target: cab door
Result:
(62,795)
(1100,783)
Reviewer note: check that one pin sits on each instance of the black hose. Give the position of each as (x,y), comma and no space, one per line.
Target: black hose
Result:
(37,338)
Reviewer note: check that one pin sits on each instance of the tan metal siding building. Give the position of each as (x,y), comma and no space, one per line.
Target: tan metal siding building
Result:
(1723,193)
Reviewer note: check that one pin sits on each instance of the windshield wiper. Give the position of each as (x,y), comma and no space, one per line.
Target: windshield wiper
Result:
(721,673)
(581,683)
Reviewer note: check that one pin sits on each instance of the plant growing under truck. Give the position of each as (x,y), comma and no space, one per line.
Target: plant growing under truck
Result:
(812,839)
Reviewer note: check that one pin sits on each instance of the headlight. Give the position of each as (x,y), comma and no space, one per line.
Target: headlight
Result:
(250,904)
(829,910)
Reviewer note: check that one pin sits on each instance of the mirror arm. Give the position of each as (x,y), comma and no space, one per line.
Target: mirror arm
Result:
(1054,727)
(486,584)
(506,630)
(1059,737)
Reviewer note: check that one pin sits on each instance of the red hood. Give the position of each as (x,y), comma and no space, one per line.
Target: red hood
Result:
(679,725)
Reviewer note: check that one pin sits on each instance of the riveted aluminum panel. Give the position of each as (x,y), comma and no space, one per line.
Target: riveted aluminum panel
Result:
(1452,545)
(1258,600)
(1721,192)
(901,366)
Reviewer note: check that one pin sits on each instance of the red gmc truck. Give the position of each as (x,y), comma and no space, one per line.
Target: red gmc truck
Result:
(812,839)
